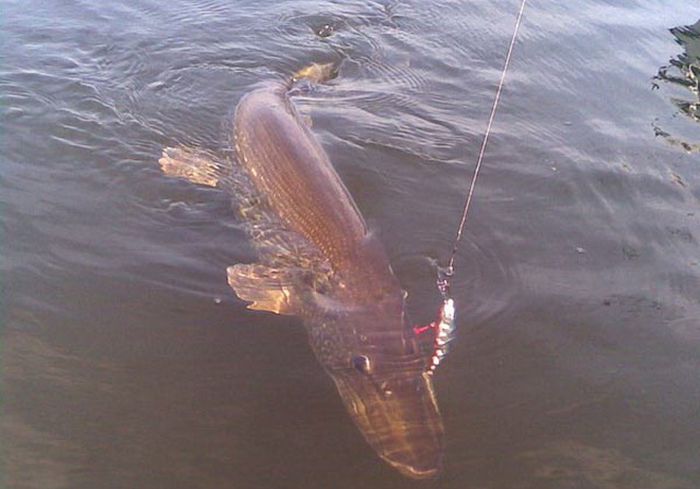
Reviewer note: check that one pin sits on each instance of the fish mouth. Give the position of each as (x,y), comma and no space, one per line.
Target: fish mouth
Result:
(416,471)
(416,464)
(404,428)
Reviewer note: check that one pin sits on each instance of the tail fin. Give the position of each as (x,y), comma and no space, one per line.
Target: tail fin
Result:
(316,73)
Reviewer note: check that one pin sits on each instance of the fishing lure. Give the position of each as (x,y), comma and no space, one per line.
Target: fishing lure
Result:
(444,326)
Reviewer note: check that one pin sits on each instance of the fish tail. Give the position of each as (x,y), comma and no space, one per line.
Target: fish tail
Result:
(315,73)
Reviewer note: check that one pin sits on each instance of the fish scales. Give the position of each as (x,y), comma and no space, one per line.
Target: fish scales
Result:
(359,322)
(308,213)
(318,261)
(297,176)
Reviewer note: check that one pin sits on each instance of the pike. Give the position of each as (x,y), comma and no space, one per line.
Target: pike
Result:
(319,261)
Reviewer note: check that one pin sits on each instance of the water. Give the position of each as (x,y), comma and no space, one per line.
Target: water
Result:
(128,362)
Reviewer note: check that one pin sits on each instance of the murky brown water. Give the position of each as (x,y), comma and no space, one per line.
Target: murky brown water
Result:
(128,362)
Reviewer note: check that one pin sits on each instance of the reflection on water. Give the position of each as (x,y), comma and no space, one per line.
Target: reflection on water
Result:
(128,362)
(574,464)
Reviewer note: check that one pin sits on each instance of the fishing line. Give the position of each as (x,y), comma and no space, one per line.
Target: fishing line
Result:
(477,168)
(445,326)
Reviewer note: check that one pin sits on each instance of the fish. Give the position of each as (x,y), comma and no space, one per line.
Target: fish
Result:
(319,261)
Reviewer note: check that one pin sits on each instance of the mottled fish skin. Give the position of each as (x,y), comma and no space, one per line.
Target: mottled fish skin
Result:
(318,261)
(362,315)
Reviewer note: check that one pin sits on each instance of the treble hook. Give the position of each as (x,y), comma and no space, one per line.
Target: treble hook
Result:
(444,327)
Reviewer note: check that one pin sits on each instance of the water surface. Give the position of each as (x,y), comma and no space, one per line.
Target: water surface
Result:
(128,362)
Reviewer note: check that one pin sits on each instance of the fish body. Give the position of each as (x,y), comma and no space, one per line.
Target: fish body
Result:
(344,290)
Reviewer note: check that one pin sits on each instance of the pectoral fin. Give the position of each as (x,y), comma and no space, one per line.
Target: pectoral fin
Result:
(196,165)
(267,288)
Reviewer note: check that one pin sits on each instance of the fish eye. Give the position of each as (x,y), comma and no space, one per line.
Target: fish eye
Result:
(361,364)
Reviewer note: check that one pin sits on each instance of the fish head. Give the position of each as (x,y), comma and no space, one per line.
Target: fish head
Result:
(379,369)
(394,407)
(389,395)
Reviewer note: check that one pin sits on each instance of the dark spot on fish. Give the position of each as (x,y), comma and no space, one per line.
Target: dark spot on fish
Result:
(307,279)
(361,364)
(379,296)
